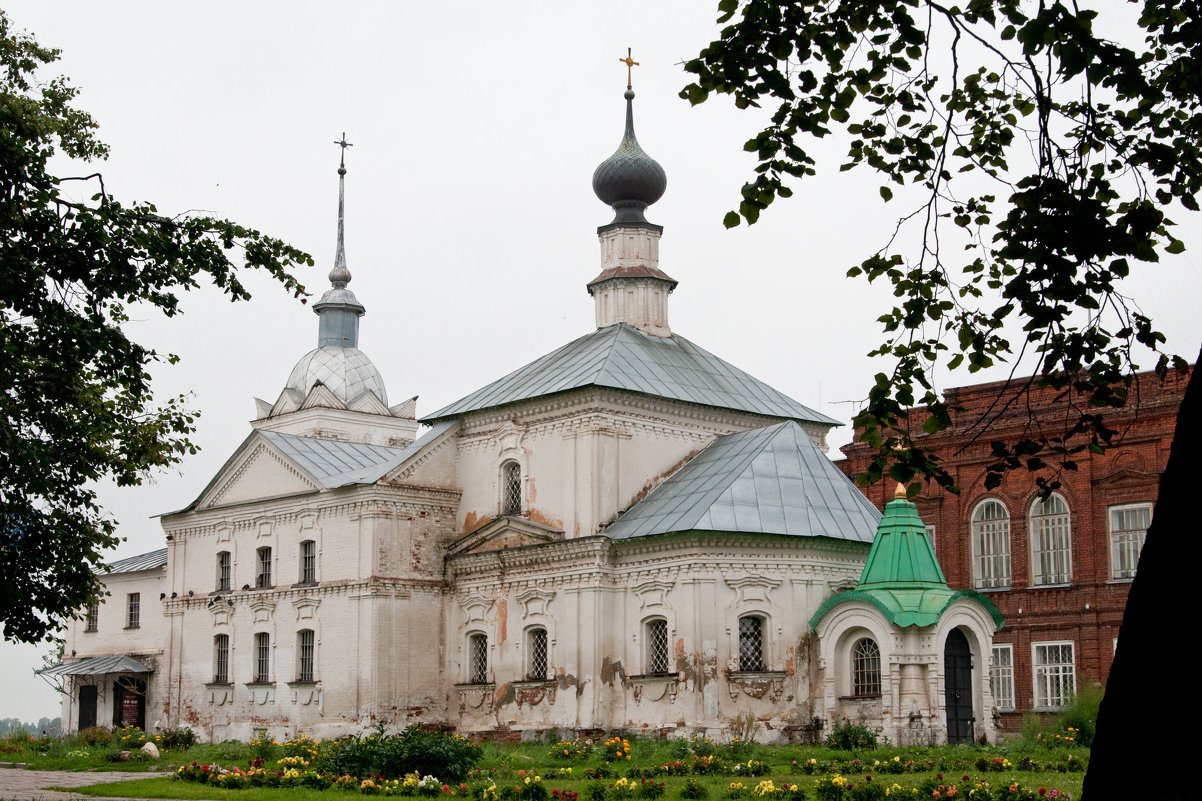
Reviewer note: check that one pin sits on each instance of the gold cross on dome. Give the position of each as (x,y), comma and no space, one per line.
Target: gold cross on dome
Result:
(629,62)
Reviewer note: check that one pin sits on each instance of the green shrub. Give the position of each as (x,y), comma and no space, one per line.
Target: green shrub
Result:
(182,737)
(848,736)
(94,736)
(1077,720)
(447,756)
(693,789)
(595,791)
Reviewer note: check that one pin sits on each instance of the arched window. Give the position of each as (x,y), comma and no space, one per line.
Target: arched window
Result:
(865,667)
(656,632)
(223,571)
(511,488)
(991,545)
(308,562)
(221,659)
(477,659)
(751,643)
(1050,552)
(536,652)
(306,643)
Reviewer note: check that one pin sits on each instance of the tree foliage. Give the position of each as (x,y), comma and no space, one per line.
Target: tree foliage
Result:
(76,403)
(1015,129)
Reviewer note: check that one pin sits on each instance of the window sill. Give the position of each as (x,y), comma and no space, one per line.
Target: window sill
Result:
(306,584)
(1121,580)
(755,675)
(866,698)
(90,631)
(1058,586)
(253,684)
(654,677)
(264,587)
(992,589)
(225,591)
(218,685)
(304,683)
(131,628)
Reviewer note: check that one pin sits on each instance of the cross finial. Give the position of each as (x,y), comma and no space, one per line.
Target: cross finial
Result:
(342,143)
(629,62)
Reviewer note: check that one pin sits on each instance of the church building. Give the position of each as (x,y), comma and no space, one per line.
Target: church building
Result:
(628,532)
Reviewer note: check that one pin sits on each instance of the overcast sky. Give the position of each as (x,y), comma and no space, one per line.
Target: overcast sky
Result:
(471,221)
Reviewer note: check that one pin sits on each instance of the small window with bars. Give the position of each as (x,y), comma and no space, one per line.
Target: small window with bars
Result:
(1055,674)
(865,668)
(92,617)
(263,560)
(133,610)
(262,657)
(308,562)
(1001,677)
(305,642)
(991,545)
(536,644)
(1128,527)
(511,488)
(657,646)
(477,659)
(224,579)
(751,643)
(1051,552)
(221,659)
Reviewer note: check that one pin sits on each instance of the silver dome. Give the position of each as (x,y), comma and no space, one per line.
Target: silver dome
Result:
(344,371)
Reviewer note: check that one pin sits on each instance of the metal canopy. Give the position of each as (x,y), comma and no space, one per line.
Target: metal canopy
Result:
(96,666)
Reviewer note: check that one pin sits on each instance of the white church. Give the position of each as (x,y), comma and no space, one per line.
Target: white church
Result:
(626,533)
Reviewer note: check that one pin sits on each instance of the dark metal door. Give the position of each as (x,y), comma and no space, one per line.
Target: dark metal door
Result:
(87,706)
(957,677)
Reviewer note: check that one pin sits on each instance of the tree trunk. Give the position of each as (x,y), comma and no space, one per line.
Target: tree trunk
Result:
(1146,713)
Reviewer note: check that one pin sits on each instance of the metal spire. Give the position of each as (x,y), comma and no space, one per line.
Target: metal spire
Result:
(340,276)
(629,62)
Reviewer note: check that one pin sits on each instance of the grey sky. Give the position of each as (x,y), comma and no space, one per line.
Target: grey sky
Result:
(470,214)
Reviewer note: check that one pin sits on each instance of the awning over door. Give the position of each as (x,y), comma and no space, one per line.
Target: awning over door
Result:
(96,666)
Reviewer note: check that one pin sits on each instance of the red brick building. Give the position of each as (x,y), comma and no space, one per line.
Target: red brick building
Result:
(1058,569)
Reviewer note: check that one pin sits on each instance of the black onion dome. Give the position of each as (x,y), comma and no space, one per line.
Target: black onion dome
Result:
(629,180)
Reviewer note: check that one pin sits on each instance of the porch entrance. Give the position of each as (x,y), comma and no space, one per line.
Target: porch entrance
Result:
(957,683)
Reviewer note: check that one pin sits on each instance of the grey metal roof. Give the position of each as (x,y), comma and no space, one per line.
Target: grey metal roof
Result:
(346,372)
(96,666)
(623,357)
(143,561)
(770,480)
(339,464)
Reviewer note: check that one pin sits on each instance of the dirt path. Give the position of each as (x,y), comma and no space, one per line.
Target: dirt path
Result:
(27,785)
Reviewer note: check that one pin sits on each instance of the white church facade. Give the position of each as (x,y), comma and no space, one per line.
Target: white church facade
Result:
(626,533)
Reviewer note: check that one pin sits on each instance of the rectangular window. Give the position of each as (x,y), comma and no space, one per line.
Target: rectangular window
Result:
(223,571)
(537,668)
(751,643)
(308,562)
(263,576)
(657,646)
(477,659)
(1055,674)
(91,617)
(304,655)
(133,610)
(262,657)
(1128,527)
(1001,677)
(221,659)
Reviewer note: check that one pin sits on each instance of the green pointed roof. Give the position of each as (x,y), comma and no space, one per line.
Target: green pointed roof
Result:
(902,577)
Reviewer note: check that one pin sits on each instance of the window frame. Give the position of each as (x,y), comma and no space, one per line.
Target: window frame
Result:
(308,562)
(1043,672)
(865,665)
(535,671)
(221,659)
(477,658)
(1051,542)
(1002,676)
(656,656)
(752,655)
(133,610)
(262,658)
(225,571)
(1113,546)
(985,564)
(263,568)
(512,495)
(306,655)
(91,618)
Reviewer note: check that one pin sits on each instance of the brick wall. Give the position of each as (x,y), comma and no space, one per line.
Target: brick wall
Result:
(1087,609)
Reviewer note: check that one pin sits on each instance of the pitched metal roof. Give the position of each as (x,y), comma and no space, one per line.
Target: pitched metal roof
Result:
(623,357)
(143,561)
(339,464)
(770,480)
(96,666)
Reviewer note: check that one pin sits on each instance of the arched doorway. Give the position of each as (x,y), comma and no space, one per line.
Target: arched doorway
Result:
(957,689)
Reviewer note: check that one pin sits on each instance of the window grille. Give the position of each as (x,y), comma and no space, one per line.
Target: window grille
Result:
(1055,674)
(537,669)
(657,646)
(263,577)
(511,490)
(92,617)
(1128,527)
(751,643)
(262,657)
(223,571)
(221,659)
(991,545)
(865,668)
(308,562)
(1050,554)
(304,655)
(1001,677)
(477,659)
(133,610)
